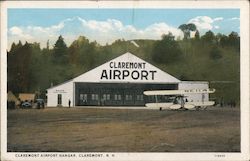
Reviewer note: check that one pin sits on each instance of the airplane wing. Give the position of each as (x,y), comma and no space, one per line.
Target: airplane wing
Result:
(205,103)
(158,105)
(178,92)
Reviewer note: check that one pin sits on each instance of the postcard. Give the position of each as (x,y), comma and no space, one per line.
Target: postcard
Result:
(124,80)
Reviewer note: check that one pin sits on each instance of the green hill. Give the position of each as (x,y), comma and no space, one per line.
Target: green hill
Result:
(217,60)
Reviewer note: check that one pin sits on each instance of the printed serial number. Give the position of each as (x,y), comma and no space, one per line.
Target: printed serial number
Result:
(220,155)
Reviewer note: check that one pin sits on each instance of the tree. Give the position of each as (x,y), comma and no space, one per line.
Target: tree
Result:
(186,29)
(197,35)
(90,56)
(166,50)
(20,75)
(83,53)
(218,38)
(234,40)
(60,54)
(77,48)
(223,41)
(208,37)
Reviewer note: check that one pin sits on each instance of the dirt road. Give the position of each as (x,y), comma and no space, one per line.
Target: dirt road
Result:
(109,130)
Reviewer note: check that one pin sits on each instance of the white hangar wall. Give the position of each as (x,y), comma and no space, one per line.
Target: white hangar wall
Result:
(195,85)
(126,68)
(66,91)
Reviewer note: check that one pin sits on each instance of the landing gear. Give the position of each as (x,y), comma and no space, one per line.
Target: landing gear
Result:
(198,108)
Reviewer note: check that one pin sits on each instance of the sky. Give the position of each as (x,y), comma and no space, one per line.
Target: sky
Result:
(107,25)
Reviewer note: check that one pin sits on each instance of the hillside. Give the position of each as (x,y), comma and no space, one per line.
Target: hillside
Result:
(196,65)
(217,60)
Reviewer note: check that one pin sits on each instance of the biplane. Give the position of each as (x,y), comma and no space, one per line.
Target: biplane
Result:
(178,99)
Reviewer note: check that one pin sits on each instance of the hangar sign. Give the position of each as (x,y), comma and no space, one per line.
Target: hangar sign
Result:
(126,68)
(123,70)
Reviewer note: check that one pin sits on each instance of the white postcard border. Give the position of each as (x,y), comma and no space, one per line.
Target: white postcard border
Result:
(244,64)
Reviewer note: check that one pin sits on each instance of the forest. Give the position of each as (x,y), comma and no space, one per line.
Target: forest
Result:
(210,57)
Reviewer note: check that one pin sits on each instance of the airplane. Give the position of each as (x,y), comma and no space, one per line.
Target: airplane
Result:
(176,99)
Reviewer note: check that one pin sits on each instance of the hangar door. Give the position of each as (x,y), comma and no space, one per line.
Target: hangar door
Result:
(114,94)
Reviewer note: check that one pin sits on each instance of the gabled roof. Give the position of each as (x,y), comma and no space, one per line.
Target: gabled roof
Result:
(26,96)
(68,81)
(142,71)
(12,97)
(141,67)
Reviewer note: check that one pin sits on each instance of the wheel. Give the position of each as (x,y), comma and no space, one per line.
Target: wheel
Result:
(198,108)
(160,108)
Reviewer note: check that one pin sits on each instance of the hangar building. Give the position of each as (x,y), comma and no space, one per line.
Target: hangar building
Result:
(119,82)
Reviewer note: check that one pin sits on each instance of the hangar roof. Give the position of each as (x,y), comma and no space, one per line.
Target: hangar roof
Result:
(126,68)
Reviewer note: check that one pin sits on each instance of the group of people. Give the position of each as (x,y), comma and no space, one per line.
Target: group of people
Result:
(231,103)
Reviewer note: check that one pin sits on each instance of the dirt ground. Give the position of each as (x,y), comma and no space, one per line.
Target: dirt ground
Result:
(121,130)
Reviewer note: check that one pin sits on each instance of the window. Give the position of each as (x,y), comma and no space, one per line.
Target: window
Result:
(106,96)
(59,99)
(128,97)
(118,97)
(139,97)
(94,97)
(83,97)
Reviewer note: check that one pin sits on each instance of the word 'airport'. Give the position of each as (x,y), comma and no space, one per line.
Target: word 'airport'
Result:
(124,74)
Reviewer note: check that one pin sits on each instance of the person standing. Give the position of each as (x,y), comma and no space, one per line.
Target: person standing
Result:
(69,103)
